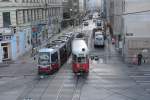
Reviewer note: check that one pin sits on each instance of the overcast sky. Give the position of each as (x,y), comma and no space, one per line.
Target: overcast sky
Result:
(94,3)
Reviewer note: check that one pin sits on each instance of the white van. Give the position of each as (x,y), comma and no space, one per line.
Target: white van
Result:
(99,40)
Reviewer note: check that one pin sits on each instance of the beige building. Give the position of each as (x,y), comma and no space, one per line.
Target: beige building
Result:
(25,23)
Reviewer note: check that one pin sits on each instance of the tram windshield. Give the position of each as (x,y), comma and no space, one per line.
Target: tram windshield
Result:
(44,58)
(79,59)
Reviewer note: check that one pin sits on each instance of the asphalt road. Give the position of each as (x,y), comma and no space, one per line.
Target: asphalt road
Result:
(109,79)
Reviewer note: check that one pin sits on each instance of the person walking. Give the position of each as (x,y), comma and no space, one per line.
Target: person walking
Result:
(140,56)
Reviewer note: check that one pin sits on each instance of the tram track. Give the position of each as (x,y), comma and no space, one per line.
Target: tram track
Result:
(80,82)
(76,90)
(35,84)
(40,84)
(71,91)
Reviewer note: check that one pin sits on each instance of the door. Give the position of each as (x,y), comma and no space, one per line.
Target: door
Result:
(5,53)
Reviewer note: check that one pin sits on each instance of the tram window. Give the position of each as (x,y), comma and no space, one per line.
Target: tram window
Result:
(54,57)
(81,59)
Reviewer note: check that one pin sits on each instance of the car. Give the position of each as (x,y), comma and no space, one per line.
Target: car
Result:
(94,20)
(79,35)
(85,23)
(64,38)
(99,40)
(90,16)
(70,34)
(100,24)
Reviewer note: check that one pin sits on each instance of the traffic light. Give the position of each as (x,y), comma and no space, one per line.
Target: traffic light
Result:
(14,28)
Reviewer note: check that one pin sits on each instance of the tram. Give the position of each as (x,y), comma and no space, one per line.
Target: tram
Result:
(48,61)
(68,41)
(54,55)
(80,56)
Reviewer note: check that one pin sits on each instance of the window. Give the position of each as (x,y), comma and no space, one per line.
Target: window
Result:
(24,20)
(54,57)
(6,19)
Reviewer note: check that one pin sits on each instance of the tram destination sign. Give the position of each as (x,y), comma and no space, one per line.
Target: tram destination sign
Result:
(81,55)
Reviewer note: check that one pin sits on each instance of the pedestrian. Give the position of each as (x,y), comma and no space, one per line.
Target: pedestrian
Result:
(140,56)
(135,59)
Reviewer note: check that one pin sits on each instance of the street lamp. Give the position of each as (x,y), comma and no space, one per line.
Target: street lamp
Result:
(71,15)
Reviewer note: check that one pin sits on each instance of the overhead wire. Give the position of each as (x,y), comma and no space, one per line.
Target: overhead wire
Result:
(129,13)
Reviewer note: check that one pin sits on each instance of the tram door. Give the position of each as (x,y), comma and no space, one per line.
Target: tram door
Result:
(5,52)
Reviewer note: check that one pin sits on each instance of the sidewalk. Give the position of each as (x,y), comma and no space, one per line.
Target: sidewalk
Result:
(115,52)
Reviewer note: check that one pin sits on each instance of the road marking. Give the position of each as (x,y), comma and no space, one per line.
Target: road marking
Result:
(142,81)
(138,76)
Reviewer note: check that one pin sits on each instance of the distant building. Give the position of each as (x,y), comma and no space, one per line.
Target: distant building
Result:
(82,6)
(70,12)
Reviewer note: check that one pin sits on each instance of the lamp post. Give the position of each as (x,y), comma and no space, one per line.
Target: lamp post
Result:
(71,16)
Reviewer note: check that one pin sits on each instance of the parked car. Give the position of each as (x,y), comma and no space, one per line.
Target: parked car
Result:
(86,23)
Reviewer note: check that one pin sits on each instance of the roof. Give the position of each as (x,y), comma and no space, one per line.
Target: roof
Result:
(63,38)
(58,41)
(79,47)
(47,50)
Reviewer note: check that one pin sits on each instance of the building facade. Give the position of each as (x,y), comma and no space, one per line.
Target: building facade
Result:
(70,12)
(25,23)
(136,30)
(129,21)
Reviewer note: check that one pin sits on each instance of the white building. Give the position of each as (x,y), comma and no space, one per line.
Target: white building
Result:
(26,22)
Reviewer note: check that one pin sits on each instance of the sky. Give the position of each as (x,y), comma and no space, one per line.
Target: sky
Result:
(94,3)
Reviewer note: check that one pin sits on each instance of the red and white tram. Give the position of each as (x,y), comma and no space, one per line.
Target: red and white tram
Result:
(80,56)
(48,61)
